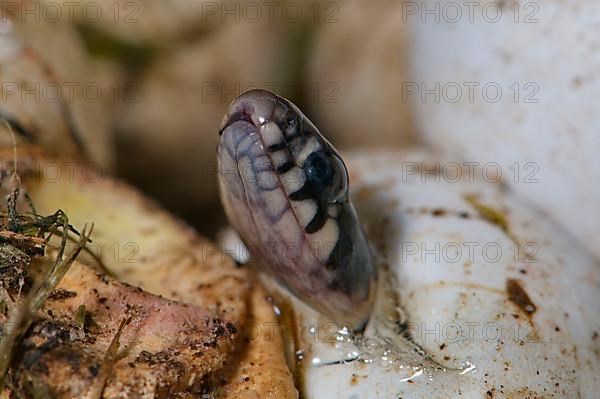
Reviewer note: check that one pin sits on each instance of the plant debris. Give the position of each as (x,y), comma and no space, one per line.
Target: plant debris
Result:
(109,359)
(24,239)
(23,312)
(488,213)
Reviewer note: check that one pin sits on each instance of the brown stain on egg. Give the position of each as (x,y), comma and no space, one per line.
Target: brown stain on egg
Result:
(439,212)
(355,380)
(518,296)
(524,393)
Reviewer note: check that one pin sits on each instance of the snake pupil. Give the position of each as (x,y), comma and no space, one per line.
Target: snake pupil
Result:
(327,174)
(318,169)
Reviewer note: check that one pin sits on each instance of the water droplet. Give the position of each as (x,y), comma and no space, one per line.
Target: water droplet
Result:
(468,367)
(414,375)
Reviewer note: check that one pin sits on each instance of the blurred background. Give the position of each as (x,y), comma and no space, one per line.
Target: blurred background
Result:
(139,87)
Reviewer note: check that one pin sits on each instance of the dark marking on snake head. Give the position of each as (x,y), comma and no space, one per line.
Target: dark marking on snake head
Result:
(305,192)
(318,221)
(342,252)
(277,147)
(286,167)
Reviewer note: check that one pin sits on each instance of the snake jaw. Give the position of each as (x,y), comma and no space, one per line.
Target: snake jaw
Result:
(254,106)
(280,183)
(240,113)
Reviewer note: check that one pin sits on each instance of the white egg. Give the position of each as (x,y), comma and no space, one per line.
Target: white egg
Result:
(492,297)
(513,85)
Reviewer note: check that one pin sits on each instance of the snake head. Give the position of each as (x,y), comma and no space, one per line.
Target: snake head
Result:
(284,188)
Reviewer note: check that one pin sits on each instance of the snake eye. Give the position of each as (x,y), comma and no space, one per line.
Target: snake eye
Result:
(328,173)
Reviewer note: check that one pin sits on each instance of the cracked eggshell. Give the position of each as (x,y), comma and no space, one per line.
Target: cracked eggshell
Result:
(355,71)
(492,290)
(541,129)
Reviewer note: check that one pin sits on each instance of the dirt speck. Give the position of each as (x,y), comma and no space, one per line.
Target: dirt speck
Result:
(59,294)
(438,212)
(524,393)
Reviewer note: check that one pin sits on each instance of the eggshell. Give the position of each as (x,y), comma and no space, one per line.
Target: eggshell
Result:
(481,295)
(541,127)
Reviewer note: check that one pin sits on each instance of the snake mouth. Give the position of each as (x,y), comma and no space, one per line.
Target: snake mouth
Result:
(256,107)
(240,115)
